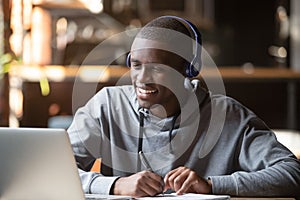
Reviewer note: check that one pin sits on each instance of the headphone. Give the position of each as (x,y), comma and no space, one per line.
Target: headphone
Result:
(192,68)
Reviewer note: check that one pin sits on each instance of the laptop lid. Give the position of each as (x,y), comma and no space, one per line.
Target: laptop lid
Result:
(37,163)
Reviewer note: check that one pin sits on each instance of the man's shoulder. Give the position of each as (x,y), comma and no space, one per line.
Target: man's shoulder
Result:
(231,106)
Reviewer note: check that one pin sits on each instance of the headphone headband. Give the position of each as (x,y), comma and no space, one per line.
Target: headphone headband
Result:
(192,68)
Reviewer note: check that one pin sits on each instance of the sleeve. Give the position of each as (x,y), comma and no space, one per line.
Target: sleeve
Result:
(85,138)
(267,168)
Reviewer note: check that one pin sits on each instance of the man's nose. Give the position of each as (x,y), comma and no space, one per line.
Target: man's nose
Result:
(144,75)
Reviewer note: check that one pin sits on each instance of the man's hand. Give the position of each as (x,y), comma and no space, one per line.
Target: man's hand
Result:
(184,180)
(141,184)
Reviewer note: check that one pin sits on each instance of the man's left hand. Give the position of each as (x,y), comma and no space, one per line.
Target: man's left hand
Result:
(184,180)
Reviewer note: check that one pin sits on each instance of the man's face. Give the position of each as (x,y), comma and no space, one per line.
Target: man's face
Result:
(155,74)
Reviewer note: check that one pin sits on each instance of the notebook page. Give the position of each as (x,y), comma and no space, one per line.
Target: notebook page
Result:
(189,196)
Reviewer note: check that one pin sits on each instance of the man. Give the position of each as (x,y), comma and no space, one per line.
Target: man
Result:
(194,141)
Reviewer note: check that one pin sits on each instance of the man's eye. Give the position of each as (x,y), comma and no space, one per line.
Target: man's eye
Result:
(136,66)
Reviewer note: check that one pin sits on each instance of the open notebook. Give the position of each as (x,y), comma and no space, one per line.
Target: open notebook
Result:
(188,196)
(38,163)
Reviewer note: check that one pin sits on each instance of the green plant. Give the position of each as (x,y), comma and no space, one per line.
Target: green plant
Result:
(5,60)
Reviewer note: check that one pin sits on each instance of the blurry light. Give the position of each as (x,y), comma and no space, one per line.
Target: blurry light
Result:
(71,31)
(41,36)
(37,1)
(95,6)
(87,32)
(282,52)
(17,27)
(248,68)
(27,49)
(277,51)
(13,121)
(16,102)
(102,34)
(283,22)
(61,30)
(61,26)
(27,10)
(31,73)
(55,73)
(53,109)
(282,14)
(93,74)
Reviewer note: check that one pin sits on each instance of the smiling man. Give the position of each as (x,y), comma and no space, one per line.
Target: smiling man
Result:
(194,141)
(151,76)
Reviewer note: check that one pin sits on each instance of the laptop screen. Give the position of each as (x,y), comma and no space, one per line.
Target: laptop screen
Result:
(37,163)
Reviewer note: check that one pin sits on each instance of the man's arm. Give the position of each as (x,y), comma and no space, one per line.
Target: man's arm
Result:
(267,168)
(144,183)
(85,137)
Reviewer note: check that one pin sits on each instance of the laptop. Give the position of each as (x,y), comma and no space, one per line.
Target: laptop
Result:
(38,163)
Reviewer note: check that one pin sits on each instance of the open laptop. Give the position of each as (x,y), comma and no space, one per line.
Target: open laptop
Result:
(38,163)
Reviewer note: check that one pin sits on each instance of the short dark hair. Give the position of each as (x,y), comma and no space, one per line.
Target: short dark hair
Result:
(173,31)
(163,23)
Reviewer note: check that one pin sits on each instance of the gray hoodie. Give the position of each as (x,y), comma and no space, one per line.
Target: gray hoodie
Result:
(214,135)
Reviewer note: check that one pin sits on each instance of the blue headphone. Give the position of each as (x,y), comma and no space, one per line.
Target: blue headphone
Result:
(190,69)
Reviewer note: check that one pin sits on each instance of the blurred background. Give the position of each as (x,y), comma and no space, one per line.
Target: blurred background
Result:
(255,44)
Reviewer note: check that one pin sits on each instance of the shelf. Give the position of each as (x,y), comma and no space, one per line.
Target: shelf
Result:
(60,4)
(33,72)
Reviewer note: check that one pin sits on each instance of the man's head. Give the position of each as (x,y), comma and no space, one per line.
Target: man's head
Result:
(159,58)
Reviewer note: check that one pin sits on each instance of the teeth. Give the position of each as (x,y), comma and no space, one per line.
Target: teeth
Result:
(146,91)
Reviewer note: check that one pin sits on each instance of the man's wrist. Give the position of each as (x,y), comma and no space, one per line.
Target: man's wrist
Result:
(102,184)
(114,188)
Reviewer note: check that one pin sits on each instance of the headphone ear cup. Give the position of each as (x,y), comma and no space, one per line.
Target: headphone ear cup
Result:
(128,60)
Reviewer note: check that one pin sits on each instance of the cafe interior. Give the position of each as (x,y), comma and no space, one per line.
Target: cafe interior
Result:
(57,54)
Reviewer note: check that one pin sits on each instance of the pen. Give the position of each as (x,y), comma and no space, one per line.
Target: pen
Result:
(145,161)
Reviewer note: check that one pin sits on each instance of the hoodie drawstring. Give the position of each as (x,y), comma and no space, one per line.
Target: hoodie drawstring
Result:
(170,133)
(140,139)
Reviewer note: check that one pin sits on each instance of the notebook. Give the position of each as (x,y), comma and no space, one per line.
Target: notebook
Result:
(38,163)
(187,196)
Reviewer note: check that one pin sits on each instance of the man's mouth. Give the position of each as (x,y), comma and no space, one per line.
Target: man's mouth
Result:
(143,93)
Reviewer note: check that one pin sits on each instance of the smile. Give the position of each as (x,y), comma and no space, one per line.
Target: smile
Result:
(143,91)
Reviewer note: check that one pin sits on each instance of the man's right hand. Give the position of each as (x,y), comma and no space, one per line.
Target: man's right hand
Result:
(141,184)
